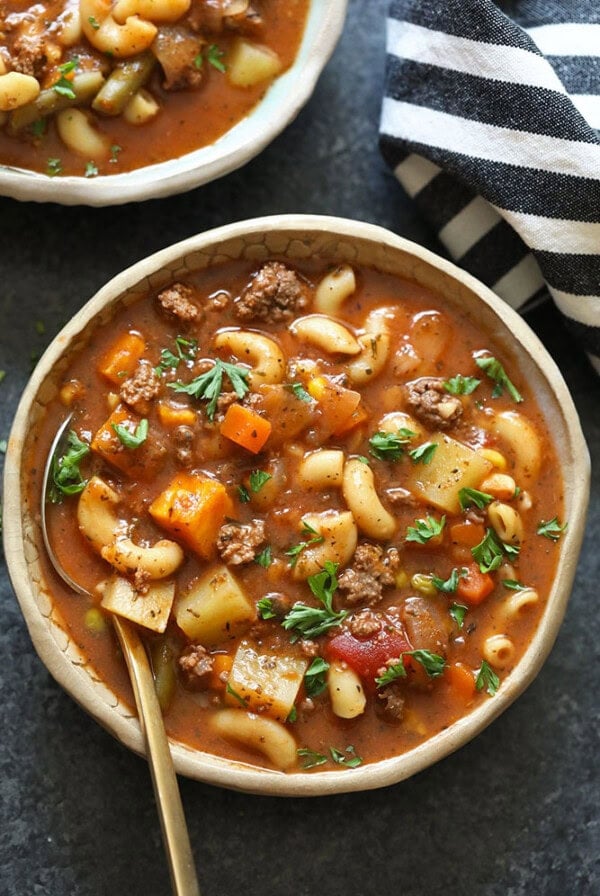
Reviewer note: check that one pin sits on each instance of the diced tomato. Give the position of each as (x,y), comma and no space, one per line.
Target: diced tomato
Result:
(475,586)
(367,655)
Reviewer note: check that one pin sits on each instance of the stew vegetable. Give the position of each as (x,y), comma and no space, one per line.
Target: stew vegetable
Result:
(328,500)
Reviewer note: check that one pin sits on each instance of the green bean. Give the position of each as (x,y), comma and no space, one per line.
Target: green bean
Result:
(84,85)
(123,82)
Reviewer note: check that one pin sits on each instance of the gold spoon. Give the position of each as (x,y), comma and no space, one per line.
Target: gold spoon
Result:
(166,790)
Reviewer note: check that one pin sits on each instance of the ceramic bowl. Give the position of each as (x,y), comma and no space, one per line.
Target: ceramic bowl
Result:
(294,237)
(280,105)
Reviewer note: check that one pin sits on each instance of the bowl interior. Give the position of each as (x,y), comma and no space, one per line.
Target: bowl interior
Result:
(293,237)
(246,139)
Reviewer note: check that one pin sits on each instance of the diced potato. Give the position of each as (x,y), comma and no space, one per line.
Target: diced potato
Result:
(192,508)
(150,609)
(214,609)
(249,63)
(138,463)
(452,467)
(265,682)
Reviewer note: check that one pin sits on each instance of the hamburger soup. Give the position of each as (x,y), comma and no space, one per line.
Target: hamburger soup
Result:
(329,501)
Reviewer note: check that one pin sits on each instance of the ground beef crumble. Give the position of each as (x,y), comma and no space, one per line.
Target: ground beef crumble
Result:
(432,404)
(141,388)
(392,701)
(372,570)
(275,293)
(195,664)
(365,623)
(176,301)
(237,543)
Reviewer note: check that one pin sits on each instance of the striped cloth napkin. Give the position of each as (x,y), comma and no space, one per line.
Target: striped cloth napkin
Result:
(489,122)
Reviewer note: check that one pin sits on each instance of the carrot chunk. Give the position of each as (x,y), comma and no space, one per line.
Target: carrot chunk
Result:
(192,508)
(121,358)
(222,664)
(475,586)
(173,415)
(461,680)
(246,428)
(467,533)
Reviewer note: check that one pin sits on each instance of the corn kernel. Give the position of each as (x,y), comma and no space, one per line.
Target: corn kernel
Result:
(95,621)
(423,584)
(494,457)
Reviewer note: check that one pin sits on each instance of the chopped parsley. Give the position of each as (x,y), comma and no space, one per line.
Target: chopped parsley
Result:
(458,613)
(450,585)
(311,758)
(513,585)
(433,663)
(490,551)
(129,439)
(214,56)
(185,351)
(265,608)
(551,529)
(299,391)
(352,760)
(91,170)
(494,369)
(390,445)
(243,494)
(424,453)
(487,678)
(208,386)
(233,693)
(392,673)
(310,622)
(54,167)
(314,677)
(65,475)
(461,385)
(297,549)
(114,153)
(264,558)
(64,85)
(94,22)
(471,496)
(424,530)
(258,479)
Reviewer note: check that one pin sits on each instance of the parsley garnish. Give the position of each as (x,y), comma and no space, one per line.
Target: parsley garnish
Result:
(94,22)
(131,439)
(297,549)
(38,128)
(311,758)
(461,385)
(424,530)
(424,453)
(471,496)
(54,167)
(66,478)
(314,677)
(513,585)
(299,391)
(264,558)
(487,678)
(208,386)
(64,86)
(186,351)
(433,663)
(265,608)
(494,369)
(451,584)
(390,445)
(392,673)
(114,152)
(309,622)
(214,55)
(458,612)
(91,169)
(258,479)
(243,494)
(489,552)
(236,696)
(551,529)
(293,715)
(351,761)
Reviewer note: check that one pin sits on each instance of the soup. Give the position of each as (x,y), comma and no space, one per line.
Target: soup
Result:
(92,88)
(329,501)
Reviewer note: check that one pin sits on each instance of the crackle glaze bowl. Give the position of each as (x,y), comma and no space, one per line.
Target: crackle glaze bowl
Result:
(292,237)
(279,106)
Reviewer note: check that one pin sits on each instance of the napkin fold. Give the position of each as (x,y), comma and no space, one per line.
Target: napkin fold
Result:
(489,123)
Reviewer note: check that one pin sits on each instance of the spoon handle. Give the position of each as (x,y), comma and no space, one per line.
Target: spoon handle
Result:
(172,820)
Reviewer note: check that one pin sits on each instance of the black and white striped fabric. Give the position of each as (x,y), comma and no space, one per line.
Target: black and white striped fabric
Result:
(491,122)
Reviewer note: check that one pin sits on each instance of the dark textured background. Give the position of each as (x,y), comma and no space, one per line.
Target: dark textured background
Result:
(513,813)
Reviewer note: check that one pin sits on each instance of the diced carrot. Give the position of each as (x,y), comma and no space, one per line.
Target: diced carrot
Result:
(121,358)
(475,585)
(173,415)
(222,662)
(138,463)
(192,508)
(461,680)
(245,427)
(466,533)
